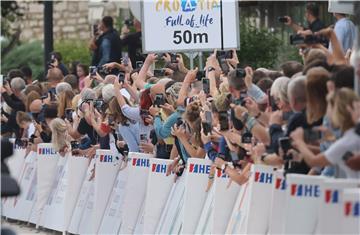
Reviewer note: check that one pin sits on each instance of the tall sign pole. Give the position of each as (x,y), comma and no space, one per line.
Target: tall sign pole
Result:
(48,32)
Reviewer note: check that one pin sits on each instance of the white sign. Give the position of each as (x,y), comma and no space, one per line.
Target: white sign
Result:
(189,25)
(344,7)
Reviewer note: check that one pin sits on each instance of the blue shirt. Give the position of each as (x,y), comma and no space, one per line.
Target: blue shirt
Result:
(131,136)
(346,33)
(163,130)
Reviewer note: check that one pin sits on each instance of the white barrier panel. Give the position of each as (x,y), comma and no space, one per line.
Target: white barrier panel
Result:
(158,189)
(351,211)
(331,204)
(86,220)
(84,194)
(257,213)
(77,167)
(46,173)
(205,221)
(276,219)
(135,191)
(112,217)
(302,203)
(173,207)
(52,216)
(224,199)
(195,194)
(15,164)
(107,168)
(20,207)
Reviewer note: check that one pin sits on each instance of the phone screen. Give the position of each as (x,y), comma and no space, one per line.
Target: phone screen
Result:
(224,121)
(206,85)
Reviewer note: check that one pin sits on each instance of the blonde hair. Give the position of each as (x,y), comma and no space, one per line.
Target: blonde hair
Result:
(340,116)
(59,136)
(316,92)
(65,102)
(279,89)
(22,117)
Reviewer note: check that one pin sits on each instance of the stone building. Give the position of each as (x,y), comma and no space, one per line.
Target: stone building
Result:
(71,19)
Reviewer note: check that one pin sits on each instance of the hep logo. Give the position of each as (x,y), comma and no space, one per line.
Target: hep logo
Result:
(140,162)
(304,190)
(262,177)
(280,184)
(331,196)
(352,209)
(199,168)
(106,158)
(47,151)
(188,5)
(159,168)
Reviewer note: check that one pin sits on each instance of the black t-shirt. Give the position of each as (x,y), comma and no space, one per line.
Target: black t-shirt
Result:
(85,128)
(316,25)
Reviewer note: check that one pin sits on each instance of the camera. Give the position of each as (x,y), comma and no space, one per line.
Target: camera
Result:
(159,72)
(285,145)
(282,19)
(308,39)
(68,114)
(121,77)
(200,75)
(159,100)
(246,138)
(129,22)
(224,121)
(206,85)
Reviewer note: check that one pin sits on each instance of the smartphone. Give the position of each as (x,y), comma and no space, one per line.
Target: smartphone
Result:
(179,122)
(111,120)
(347,156)
(311,135)
(208,117)
(92,71)
(246,138)
(22,143)
(159,72)
(206,85)
(68,114)
(173,58)
(139,64)
(125,60)
(159,100)
(224,121)
(200,75)
(226,54)
(240,73)
(223,64)
(285,143)
(143,138)
(75,146)
(121,77)
(282,19)
(95,29)
(144,113)
(206,127)
(52,95)
(98,104)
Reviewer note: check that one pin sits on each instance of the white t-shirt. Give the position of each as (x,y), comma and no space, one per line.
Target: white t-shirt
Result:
(350,141)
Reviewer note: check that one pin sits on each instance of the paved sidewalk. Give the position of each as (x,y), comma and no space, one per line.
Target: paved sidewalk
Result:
(24,228)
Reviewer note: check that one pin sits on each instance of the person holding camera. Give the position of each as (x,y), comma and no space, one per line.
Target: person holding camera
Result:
(56,62)
(132,40)
(107,46)
(312,18)
(345,148)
